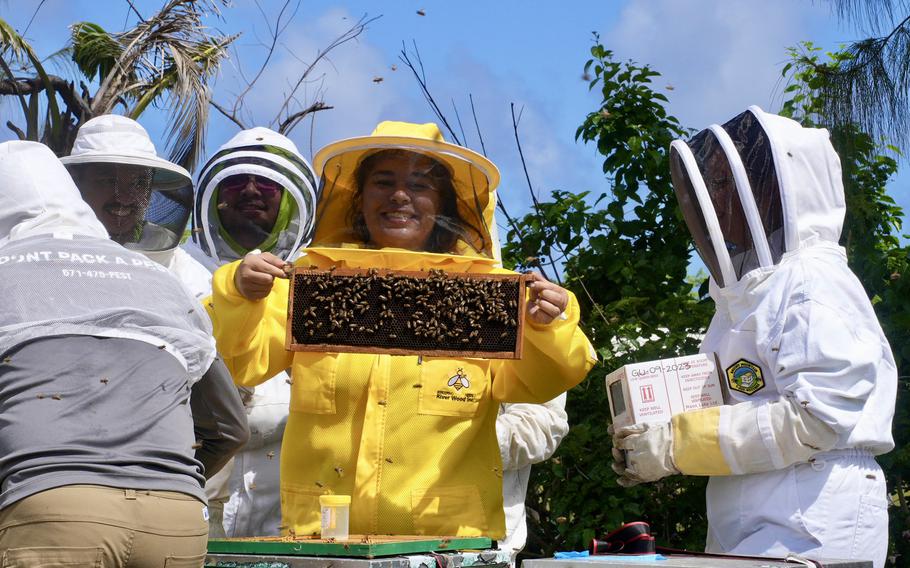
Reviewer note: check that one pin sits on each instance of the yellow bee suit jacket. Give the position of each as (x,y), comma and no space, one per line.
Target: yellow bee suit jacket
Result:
(416,455)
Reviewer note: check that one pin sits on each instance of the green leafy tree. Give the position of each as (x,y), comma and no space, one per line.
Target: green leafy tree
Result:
(626,256)
(167,60)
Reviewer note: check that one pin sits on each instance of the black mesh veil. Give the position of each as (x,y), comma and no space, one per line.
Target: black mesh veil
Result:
(735,196)
(754,147)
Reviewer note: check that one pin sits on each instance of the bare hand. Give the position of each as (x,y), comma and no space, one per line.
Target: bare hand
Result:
(548,301)
(257,273)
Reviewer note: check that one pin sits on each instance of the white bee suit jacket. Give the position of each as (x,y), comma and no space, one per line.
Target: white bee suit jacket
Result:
(191,273)
(809,369)
(527,434)
(244,497)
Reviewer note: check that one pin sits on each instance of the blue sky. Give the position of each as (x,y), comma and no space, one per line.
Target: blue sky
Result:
(716,56)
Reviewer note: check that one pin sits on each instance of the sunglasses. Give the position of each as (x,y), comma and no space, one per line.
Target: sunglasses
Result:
(236,184)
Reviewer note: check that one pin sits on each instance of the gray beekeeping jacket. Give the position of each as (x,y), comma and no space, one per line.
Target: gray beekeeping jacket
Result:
(100,348)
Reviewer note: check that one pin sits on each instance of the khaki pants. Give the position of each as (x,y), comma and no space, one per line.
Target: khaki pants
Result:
(103,527)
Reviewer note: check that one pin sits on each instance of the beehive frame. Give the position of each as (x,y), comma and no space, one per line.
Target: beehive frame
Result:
(431,313)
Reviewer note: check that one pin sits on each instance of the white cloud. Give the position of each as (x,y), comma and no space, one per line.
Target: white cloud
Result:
(719,56)
(344,80)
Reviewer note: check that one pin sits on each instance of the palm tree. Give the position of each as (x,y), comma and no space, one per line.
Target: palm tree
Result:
(168,59)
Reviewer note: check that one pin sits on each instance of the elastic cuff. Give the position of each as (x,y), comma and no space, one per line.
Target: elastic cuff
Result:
(225,275)
(696,446)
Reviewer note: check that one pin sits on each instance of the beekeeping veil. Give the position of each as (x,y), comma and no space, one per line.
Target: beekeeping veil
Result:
(464,226)
(755,188)
(267,154)
(150,213)
(60,274)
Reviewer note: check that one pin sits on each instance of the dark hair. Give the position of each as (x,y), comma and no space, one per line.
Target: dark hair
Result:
(449,225)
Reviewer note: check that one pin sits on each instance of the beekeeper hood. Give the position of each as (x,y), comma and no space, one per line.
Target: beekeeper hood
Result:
(60,273)
(144,201)
(260,185)
(415,159)
(756,188)
(39,196)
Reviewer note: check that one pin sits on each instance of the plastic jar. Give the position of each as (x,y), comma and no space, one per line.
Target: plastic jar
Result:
(336,510)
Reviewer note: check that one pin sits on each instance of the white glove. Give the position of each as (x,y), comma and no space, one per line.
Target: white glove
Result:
(648,454)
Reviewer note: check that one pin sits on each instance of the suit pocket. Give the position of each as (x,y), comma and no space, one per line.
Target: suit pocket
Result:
(53,557)
(870,538)
(300,509)
(313,386)
(455,510)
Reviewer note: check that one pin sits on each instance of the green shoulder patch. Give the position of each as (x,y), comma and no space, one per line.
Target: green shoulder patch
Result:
(745,377)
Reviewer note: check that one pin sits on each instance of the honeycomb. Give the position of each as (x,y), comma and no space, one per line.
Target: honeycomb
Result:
(433,313)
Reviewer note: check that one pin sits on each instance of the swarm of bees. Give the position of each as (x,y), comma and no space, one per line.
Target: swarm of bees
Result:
(431,313)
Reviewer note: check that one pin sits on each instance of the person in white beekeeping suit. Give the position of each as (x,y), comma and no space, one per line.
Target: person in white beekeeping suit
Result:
(142,200)
(256,192)
(811,375)
(527,434)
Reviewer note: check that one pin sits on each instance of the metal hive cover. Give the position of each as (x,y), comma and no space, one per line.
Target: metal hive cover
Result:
(433,313)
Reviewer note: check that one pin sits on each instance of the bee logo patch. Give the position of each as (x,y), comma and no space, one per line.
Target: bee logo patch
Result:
(459,380)
(745,377)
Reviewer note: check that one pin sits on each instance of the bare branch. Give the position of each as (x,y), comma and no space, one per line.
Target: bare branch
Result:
(18,131)
(27,85)
(483,148)
(32,19)
(275,34)
(229,115)
(292,121)
(422,81)
(133,8)
(524,166)
(351,33)
(460,125)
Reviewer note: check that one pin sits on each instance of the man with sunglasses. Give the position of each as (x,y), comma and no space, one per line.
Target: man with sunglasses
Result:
(251,204)
(256,193)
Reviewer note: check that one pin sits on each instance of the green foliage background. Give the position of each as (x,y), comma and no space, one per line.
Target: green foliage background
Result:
(626,256)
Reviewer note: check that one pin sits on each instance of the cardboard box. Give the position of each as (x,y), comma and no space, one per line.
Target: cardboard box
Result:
(656,390)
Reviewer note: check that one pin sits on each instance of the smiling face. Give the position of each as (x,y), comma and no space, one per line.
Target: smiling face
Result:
(248,206)
(118,194)
(401,200)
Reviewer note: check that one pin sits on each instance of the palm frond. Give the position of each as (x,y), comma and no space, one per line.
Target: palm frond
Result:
(94,50)
(170,55)
(14,45)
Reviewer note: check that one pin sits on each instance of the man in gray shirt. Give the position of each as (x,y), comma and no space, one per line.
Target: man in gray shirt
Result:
(103,355)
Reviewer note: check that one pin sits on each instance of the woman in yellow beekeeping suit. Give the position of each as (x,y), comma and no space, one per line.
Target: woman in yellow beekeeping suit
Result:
(390,430)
